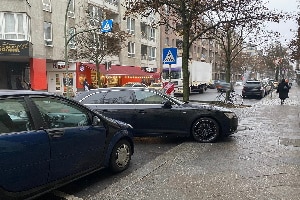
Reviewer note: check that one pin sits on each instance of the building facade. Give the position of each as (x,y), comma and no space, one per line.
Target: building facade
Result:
(32,43)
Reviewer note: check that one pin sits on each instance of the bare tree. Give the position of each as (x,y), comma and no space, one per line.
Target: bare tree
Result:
(194,19)
(92,45)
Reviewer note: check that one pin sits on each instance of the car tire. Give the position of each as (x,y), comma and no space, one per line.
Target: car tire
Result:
(205,130)
(120,156)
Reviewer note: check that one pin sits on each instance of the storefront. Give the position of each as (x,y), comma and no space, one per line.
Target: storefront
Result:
(115,76)
(17,64)
(58,81)
(14,63)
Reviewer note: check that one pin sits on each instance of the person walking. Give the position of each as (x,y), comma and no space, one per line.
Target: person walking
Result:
(283,90)
(86,85)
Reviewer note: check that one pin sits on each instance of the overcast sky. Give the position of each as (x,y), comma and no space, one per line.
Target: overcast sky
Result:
(284,28)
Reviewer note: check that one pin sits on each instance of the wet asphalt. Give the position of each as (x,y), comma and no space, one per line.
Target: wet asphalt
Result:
(260,161)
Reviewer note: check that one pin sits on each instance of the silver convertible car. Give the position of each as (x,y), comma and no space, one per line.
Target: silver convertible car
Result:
(152,113)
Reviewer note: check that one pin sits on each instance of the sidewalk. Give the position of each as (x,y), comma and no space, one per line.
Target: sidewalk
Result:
(260,161)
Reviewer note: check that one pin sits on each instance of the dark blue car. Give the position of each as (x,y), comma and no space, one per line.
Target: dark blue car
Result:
(48,140)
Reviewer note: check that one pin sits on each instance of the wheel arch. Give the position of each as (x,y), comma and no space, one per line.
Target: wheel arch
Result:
(206,116)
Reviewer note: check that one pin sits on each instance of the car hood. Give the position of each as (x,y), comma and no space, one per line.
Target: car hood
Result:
(115,122)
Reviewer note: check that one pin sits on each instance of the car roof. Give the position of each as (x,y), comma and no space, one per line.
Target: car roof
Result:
(5,92)
(85,93)
(253,82)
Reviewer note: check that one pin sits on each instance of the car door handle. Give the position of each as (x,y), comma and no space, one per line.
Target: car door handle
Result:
(142,111)
(56,133)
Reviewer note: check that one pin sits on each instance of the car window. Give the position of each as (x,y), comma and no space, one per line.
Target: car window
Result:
(119,97)
(147,97)
(14,116)
(58,113)
(110,97)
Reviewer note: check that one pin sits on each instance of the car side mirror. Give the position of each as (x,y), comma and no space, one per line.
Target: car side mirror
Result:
(167,104)
(96,120)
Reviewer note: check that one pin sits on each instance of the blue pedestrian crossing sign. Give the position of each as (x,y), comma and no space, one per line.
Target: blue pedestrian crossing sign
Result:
(169,55)
(106,26)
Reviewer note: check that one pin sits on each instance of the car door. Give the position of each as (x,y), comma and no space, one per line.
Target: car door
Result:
(153,117)
(76,145)
(24,150)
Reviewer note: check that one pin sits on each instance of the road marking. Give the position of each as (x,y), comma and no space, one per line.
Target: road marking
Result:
(65,196)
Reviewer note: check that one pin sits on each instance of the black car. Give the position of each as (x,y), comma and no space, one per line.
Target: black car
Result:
(224,87)
(48,140)
(152,113)
(254,88)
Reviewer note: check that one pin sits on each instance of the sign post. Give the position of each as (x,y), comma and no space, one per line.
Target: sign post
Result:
(169,57)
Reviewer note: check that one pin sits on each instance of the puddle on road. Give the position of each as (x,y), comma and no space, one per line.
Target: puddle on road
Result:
(293,141)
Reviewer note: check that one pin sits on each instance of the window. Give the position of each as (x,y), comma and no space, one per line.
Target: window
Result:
(144,30)
(111,97)
(71,9)
(14,116)
(48,33)
(152,53)
(131,49)
(130,25)
(96,15)
(145,97)
(129,3)
(152,34)
(59,113)
(114,2)
(47,5)
(167,41)
(14,26)
(72,42)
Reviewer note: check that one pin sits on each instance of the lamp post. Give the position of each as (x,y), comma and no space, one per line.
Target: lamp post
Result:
(66,49)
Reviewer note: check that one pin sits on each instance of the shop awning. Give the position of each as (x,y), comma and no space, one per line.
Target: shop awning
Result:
(118,70)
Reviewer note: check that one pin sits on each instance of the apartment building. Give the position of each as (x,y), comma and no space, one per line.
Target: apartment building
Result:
(205,50)
(32,44)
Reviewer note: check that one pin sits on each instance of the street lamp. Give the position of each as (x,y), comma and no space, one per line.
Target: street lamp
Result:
(66,49)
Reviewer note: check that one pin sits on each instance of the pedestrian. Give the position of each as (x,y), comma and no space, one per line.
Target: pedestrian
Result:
(283,90)
(19,84)
(86,85)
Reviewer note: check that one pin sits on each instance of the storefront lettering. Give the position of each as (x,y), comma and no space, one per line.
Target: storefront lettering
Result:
(14,47)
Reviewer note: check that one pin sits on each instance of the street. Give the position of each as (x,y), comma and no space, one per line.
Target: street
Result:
(260,161)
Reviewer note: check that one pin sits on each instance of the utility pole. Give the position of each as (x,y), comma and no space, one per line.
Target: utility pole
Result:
(66,50)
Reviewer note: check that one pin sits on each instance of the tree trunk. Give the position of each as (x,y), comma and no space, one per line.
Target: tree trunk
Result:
(185,64)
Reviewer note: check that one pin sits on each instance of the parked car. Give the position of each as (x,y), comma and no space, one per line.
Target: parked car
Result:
(239,83)
(224,86)
(48,140)
(253,88)
(157,86)
(152,113)
(134,84)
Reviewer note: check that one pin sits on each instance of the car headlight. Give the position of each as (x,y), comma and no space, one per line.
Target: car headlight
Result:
(230,115)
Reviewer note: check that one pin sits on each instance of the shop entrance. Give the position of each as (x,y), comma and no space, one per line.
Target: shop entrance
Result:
(11,73)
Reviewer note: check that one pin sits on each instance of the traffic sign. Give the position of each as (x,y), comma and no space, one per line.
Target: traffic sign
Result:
(168,87)
(169,56)
(106,26)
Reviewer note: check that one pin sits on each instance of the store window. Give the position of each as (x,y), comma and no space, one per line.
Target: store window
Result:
(14,26)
